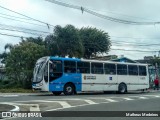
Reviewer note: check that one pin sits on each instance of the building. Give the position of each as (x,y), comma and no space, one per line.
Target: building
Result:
(146,59)
(108,57)
(124,59)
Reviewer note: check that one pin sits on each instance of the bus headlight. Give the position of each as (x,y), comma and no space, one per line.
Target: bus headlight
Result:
(39,84)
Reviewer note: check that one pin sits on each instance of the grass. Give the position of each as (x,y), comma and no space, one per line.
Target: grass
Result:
(16,90)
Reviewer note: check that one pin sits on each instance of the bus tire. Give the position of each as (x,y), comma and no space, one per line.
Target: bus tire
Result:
(56,93)
(69,89)
(122,88)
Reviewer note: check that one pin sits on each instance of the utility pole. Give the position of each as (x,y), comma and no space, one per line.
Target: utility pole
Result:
(158,54)
(156,70)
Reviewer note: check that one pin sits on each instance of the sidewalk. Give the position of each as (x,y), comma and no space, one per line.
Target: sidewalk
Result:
(25,94)
(50,93)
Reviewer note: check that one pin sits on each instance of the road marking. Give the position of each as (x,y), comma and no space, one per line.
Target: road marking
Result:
(111,100)
(143,98)
(128,99)
(33,107)
(157,96)
(66,108)
(90,102)
(9,95)
(64,104)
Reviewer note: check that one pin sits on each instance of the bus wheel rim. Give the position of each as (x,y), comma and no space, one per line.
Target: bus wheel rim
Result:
(69,89)
(123,89)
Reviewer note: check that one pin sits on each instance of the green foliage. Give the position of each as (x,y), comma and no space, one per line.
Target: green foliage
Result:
(21,60)
(95,41)
(154,61)
(37,40)
(3,57)
(64,41)
(8,46)
(15,90)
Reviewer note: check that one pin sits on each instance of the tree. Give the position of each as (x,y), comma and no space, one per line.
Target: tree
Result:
(65,41)
(94,41)
(38,40)
(155,61)
(8,46)
(21,61)
(3,55)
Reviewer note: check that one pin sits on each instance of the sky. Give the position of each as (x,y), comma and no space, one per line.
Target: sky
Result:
(134,37)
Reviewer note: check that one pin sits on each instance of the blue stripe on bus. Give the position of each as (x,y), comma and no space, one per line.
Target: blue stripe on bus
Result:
(60,58)
(75,78)
(58,85)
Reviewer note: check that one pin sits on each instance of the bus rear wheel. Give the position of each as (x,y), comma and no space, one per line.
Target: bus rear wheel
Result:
(56,93)
(122,88)
(68,89)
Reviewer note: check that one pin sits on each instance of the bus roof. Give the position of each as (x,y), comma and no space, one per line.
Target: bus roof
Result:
(98,61)
(109,61)
(65,58)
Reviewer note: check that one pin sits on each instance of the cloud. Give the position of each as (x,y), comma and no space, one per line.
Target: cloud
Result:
(137,10)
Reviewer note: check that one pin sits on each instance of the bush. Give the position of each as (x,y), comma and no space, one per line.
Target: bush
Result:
(5,82)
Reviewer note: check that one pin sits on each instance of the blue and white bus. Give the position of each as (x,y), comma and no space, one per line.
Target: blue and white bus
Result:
(72,75)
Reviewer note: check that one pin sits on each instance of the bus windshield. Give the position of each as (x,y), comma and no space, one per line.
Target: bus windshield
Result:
(39,70)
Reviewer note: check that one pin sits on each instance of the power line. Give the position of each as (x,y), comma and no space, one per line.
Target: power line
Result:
(48,25)
(15,27)
(22,21)
(95,46)
(126,43)
(132,37)
(14,16)
(20,31)
(12,35)
(134,50)
(116,13)
(83,9)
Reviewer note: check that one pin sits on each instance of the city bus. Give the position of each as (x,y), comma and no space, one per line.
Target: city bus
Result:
(71,75)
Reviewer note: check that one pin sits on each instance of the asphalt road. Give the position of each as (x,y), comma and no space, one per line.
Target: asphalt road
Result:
(134,101)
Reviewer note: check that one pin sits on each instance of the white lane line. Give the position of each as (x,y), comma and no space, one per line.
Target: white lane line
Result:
(33,107)
(111,100)
(157,96)
(9,95)
(128,99)
(64,104)
(65,108)
(47,100)
(143,98)
(13,104)
(90,102)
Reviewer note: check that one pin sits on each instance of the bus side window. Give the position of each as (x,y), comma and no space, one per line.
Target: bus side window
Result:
(121,69)
(97,68)
(132,69)
(110,68)
(69,66)
(83,67)
(142,71)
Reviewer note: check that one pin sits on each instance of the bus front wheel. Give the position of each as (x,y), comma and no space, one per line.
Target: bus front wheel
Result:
(68,89)
(122,88)
(56,93)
